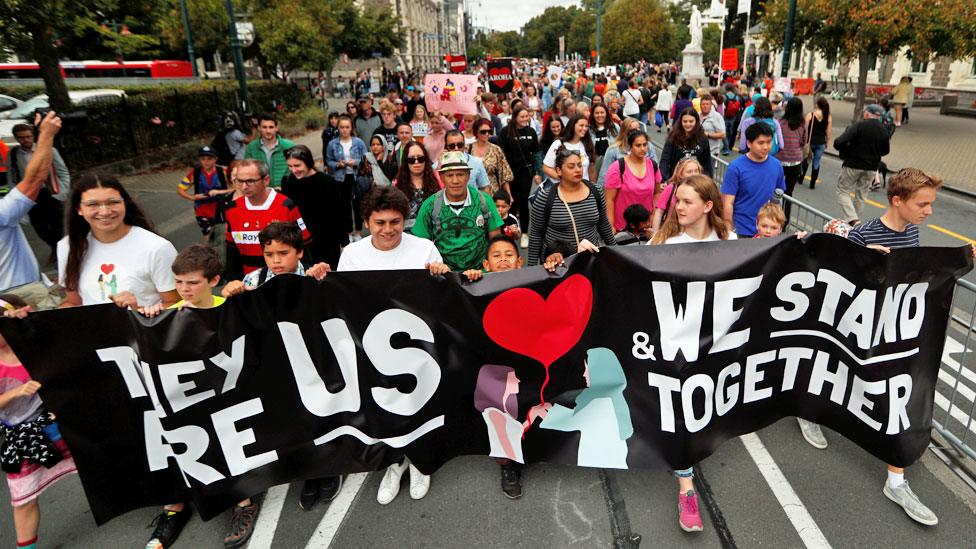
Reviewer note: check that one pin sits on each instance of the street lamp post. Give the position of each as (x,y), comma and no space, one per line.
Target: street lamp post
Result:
(599,17)
(788,40)
(189,38)
(235,46)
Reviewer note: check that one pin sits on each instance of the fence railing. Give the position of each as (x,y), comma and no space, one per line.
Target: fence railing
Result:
(955,395)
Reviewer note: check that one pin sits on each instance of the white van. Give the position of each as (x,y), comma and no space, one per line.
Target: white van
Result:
(79,99)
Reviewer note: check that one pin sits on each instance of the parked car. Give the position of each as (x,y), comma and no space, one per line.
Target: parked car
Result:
(23,113)
(8,104)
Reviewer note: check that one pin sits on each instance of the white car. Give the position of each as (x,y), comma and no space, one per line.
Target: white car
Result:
(8,104)
(23,113)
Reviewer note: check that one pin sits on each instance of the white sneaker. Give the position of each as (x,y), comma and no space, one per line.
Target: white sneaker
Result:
(390,485)
(909,502)
(419,483)
(524,241)
(812,433)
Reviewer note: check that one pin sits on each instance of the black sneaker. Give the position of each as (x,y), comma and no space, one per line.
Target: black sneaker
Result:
(241,525)
(168,526)
(311,489)
(331,487)
(511,481)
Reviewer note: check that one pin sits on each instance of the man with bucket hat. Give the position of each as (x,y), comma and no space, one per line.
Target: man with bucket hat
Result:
(458,219)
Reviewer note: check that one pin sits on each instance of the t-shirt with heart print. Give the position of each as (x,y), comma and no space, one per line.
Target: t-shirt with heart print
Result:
(140,262)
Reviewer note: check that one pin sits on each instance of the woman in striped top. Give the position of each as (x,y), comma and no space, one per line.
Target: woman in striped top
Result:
(577,212)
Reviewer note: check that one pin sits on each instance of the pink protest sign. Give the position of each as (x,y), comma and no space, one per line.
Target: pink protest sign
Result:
(451,93)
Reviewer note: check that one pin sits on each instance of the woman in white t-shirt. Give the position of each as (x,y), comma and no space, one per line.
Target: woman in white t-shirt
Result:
(575,137)
(111,253)
(696,216)
(388,248)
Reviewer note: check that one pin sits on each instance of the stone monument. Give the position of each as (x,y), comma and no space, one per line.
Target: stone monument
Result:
(691,63)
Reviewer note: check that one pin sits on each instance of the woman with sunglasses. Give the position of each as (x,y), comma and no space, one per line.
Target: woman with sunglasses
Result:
(417,179)
(344,158)
(352,110)
(499,172)
(320,203)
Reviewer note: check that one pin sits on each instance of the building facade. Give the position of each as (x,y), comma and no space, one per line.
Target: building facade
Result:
(940,73)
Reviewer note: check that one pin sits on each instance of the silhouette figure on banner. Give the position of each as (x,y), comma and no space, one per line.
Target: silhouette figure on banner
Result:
(496,397)
(601,414)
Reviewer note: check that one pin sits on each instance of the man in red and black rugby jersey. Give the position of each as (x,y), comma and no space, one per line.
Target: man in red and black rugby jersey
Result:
(259,207)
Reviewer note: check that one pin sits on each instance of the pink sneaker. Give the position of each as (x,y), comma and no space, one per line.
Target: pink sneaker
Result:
(688,516)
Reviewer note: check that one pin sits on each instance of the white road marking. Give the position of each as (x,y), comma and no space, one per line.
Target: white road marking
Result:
(267,523)
(338,509)
(805,526)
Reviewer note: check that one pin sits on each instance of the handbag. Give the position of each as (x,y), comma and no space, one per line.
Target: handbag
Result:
(658,119)
(807,149)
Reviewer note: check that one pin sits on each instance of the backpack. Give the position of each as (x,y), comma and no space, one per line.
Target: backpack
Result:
(888,122)
(772,124)
(197,171)
(620,168)
(435,213)
(219,145)
(551,199)
(732,107)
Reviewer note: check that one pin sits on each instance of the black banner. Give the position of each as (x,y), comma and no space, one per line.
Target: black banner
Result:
(633,357)
(501,77)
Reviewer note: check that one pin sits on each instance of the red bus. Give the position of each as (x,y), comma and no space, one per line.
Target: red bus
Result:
(102,69)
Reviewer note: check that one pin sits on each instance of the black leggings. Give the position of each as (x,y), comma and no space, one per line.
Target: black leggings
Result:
(352,219)
(521,186)
(793,175)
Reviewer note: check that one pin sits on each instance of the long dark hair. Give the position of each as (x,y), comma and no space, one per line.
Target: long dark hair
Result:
(569,132)
(678,135)
(793,113)
(547,135)
(404,181)
(607,122)
(511,130)
(824,106)
(762,108)
(78,228)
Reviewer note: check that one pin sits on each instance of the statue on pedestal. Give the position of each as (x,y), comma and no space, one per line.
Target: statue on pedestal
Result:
(695,27)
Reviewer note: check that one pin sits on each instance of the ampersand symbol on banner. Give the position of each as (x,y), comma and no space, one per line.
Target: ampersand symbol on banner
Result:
(641,349)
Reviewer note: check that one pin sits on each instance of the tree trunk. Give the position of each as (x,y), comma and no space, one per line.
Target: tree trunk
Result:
(46,55)
(328,81)
(862,84)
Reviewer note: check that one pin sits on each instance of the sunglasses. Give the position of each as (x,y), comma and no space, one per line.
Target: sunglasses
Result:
(484,132)
(416,159)
(454,146)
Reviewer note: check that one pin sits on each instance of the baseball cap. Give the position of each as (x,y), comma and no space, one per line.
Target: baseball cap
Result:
(453,160)
(875,109)
(207,150)
(409,88)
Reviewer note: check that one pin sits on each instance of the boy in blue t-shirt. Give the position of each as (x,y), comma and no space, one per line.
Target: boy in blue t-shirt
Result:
(911,193)
(751,181)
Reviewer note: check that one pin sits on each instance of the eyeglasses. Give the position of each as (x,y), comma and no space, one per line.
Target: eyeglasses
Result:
(454,146)
(109,204)
(24,136)
(248,182)
(416,159)
(484,132)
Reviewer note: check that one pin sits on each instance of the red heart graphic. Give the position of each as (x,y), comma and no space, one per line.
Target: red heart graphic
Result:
(499,74)
(521,321)
(107,268)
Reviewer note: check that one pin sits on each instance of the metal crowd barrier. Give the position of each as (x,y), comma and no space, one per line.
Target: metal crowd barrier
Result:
(954,416)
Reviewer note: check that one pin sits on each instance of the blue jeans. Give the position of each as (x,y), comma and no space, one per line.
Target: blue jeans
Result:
(729,136)
(818,152)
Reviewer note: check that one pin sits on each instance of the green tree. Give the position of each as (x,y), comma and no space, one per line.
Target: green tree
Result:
(294,35)
(855,29)
(208,25)
(581,37)
(641,29)
(47,31)
(540,35)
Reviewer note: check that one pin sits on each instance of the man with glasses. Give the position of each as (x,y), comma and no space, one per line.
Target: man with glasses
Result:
(458,219)
(16,258)
(454,142)
(256,209)
(47,215)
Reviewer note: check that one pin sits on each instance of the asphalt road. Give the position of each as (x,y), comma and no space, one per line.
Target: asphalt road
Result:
(770,489)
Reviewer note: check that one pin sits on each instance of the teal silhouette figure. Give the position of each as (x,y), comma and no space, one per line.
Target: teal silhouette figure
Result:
(601,414)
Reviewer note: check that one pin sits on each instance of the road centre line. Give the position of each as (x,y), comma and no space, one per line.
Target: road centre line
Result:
(336,513)
(267,523)
(802,521)
(947,232)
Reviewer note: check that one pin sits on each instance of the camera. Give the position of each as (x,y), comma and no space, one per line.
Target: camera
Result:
(66,117)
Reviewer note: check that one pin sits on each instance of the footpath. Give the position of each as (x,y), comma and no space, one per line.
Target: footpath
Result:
(945,145)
